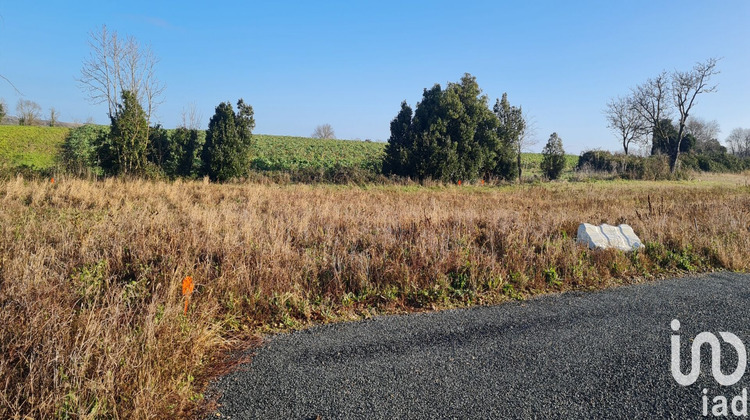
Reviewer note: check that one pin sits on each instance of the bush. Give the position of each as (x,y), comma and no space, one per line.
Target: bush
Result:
(627,166)
(553,157)
(79,151)
(226,153)
(452,135)
(714,162)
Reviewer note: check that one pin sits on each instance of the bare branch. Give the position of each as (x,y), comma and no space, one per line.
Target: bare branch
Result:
(115,65)
(623,118)
(651,102)
(11,84)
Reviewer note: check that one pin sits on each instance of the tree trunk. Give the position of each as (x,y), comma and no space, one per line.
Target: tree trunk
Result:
(519,166)
(673,159)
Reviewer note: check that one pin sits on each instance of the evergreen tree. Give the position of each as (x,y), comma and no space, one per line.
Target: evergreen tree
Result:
(127,145)
(226,153)
(452,135)
(507,163)
(185,148)
(159,148)
(553,157)
(400,144)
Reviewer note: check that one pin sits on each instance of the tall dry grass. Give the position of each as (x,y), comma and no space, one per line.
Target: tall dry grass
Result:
(91,308)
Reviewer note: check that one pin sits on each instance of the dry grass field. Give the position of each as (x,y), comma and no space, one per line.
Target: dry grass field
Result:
(92,314)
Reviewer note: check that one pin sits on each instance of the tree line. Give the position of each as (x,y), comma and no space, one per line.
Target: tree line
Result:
(453,135)
(657,115)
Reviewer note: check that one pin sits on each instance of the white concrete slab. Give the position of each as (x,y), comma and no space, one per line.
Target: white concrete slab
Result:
(606,236)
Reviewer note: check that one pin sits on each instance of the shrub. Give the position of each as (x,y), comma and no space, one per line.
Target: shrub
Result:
(226,153)
(553,160)
(627,166)
(452,135)
(79,151)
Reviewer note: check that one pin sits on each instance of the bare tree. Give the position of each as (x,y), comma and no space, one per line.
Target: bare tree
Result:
(738,142)
(686,86)
(118,64)
(658,98)
(324,131)
(706,133)
(28,112)
(651,102)
(623,118)
(52,117)
(191,117)
(526,139)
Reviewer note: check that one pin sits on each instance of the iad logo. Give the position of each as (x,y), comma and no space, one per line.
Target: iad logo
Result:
(720,404)
(695,362)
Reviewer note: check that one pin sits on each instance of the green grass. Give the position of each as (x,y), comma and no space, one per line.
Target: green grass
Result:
(282,153)
(36,148)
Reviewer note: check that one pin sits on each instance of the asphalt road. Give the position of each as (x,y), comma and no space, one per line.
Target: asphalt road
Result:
(576,355)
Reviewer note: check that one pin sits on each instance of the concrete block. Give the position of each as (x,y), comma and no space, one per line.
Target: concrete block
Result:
(606,236)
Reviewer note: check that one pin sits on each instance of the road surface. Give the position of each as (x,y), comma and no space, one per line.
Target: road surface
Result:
(576,355)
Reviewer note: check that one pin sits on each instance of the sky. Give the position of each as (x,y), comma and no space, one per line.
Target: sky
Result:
(350,64)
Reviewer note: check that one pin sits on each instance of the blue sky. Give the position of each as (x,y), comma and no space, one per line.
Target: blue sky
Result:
(351,63)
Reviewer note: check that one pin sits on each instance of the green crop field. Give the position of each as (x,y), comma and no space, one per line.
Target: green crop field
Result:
(530,164)
(36,148)
(282,153)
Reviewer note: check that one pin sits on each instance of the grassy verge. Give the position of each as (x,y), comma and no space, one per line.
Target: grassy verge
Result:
(92,321)
(34,149)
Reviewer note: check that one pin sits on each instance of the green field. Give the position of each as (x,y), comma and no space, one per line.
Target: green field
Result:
(530,164)
(282,153)
(38,149)
(35,148)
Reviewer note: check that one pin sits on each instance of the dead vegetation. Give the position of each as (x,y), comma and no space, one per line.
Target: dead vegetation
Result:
(92,320)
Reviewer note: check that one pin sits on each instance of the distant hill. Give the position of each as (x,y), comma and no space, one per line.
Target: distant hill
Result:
(11,120)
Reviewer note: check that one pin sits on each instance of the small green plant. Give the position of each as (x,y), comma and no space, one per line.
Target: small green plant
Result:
(551,277)
(510,291)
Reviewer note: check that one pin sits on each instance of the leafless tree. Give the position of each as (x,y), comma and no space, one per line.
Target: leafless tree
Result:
(324,131)
(651,102)
(623,118)
(28,112)
(52,117)
(526,139)
(660,97)
(191,117)
(706,133)
(738,142)
(686,86)
(116,64)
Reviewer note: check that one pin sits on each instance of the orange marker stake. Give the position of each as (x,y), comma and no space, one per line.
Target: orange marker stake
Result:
(187,290)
